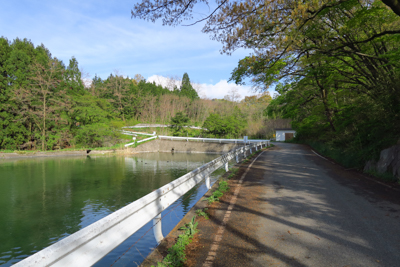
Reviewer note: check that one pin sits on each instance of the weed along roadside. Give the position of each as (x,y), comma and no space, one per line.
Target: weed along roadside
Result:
(182,245)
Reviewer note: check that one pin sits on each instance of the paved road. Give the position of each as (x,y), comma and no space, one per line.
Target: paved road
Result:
(297,209)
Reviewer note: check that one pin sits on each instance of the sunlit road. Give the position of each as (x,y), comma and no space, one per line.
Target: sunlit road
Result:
(297,209)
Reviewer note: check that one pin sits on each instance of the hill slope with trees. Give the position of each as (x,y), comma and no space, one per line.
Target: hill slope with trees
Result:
(45,105)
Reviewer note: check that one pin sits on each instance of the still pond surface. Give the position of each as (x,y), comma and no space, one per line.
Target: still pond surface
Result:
(43,200)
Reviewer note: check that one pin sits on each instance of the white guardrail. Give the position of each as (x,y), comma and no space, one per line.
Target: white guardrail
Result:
(159,126)
(211,140)
(140,141)
(90,244)
(136,133)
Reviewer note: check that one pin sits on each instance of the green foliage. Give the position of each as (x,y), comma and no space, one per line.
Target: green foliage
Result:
(176,254)
(203,213)
(217,194)
(190,228)
(95,135)
(223,186)
(211,199)
(187,88)
(387,176)
(233,173)
(178,124)
(228,126)
(346,120)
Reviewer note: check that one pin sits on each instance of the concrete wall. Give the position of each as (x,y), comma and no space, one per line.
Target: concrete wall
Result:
(183,147)
(280,134)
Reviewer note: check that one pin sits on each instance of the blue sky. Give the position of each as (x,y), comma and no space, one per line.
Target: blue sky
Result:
(104,39)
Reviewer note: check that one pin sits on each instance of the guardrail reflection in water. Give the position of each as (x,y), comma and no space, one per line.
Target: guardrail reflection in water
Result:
(90,244)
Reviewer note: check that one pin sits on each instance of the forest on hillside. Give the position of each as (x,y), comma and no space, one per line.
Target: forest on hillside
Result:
(45,105)
(335,65)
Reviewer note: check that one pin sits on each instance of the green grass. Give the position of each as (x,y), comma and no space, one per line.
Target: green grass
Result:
(83,148)
(217,194)
(176,254)
(202,213)
(388,177)
(233,173)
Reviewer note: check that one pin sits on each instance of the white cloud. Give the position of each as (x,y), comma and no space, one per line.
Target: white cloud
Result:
(222,88)
(168,82)
(218,90)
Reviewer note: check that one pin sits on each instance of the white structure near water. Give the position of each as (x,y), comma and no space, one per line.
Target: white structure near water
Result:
(284,134)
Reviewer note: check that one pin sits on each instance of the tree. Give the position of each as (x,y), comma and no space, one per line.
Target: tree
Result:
(174,12)
(43,98)
(218,126)
(178,123)
(73,78)
(233,95)
(138,78)
(117,90)
(336,63)
(16,61)
(187,88)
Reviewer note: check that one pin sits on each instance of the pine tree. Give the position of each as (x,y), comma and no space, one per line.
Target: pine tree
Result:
(187,88)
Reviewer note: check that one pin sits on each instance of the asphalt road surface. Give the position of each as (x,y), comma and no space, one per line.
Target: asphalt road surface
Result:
(295,208)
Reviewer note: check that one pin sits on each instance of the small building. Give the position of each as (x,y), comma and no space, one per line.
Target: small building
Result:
(284,134)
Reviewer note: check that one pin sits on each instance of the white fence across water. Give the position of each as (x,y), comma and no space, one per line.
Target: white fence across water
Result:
(90,244)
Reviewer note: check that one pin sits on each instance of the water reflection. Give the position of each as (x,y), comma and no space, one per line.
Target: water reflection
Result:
(43,200)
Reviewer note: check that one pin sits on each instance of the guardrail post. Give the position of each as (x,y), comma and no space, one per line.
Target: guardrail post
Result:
(237,158)
(251,151)
(226,167)
(157,229)
(208,182)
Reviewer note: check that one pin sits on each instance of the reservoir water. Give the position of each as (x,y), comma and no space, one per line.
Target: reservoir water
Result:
(43,200)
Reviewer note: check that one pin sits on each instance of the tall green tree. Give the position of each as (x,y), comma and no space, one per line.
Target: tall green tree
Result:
(43,100)
(187,89)
(178,124)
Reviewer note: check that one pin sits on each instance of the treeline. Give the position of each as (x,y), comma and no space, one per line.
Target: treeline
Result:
(44,104)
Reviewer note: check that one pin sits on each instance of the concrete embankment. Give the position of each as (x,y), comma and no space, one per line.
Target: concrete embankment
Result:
(31,154)
(183,147)
(152,146)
